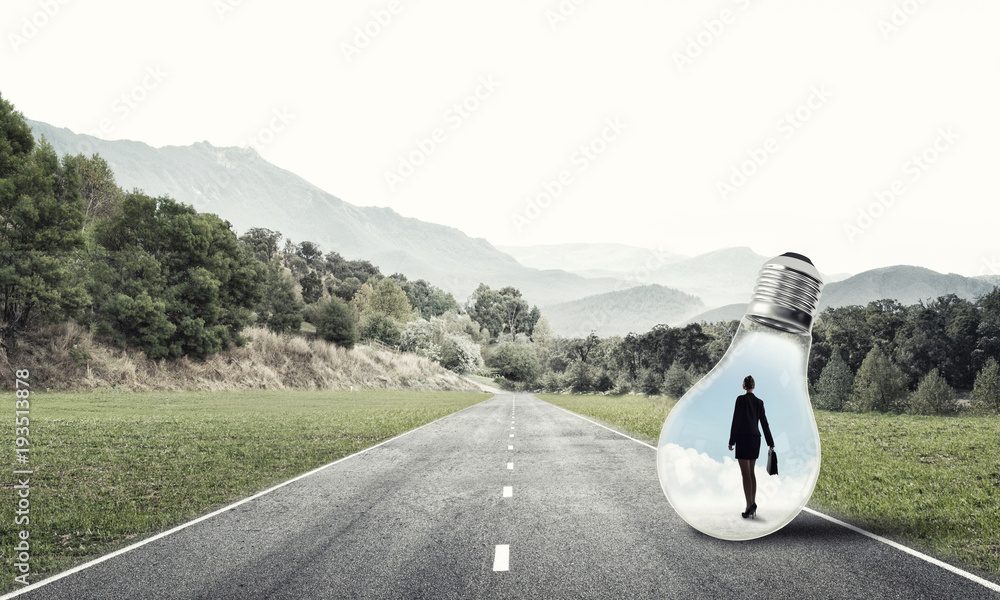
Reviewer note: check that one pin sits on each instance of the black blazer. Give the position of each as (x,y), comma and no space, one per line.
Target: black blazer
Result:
(749,410)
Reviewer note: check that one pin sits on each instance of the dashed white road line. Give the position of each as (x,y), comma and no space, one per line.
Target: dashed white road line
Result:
(508,491)
(510,447)
(501,558)
(510,466)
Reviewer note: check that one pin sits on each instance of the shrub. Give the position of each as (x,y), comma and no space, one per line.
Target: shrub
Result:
(334,321)
(986,389)
(460,354)
(514,361)
(933,396)
(379,326)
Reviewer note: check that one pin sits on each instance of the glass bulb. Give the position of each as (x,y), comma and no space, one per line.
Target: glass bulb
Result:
(698,473)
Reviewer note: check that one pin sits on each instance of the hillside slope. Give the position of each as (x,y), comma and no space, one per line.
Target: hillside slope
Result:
(636,309)
(243,188)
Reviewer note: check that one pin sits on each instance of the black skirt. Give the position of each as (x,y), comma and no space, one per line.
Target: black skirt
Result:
(748,447)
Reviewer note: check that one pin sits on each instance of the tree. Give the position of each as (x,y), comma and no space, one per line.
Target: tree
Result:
(517,362)
(335,322)
(933,396)
(263,243)
(191,267)
(311,253)
(677,380)
(278,310)
(650,382)
(384,297)
(101,195)
(880,384)
(578,378)
(312,287)
(986,389)
(502,311)
(836,381)
(41,219)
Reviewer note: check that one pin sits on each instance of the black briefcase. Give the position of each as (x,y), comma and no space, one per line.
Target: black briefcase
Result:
(772,462)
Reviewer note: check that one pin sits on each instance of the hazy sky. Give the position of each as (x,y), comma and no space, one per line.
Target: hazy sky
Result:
(685,126)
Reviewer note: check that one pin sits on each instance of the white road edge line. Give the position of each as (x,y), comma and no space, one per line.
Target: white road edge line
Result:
(975,578)
(501,558)
(100,559)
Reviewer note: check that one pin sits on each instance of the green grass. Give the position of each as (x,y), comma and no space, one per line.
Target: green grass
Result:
(931,483)
(113,468)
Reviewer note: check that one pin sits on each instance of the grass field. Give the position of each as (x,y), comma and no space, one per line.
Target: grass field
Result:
(932,483)
(113,468)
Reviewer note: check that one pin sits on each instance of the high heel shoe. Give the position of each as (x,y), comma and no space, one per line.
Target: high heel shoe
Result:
(746,515)
(752,513)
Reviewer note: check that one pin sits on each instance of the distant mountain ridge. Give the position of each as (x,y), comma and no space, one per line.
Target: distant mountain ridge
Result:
(906,284)
(636,309)
(243,188)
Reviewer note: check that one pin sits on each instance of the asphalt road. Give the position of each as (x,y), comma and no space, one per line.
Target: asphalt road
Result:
(423,515)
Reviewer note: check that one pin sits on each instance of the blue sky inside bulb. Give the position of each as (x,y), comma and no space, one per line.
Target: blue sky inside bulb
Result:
(698,473)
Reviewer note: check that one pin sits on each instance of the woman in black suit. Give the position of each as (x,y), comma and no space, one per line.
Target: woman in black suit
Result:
(746,436)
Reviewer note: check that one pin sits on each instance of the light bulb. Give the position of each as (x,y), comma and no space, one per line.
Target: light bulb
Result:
(698,473)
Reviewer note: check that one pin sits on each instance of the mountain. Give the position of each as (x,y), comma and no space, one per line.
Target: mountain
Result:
(635,309)
(243,188)
(593,260)
(905,283)
(725,313)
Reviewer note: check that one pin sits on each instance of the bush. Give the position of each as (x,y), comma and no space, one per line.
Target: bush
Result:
(334,321)
(418,337)
(833,390)
(933,396)
(379,326)
(551,382)
(460,354)
(604,383)
(514,361)
(986,389)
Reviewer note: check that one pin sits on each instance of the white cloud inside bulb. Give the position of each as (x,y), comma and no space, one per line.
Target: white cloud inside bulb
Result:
(696,482)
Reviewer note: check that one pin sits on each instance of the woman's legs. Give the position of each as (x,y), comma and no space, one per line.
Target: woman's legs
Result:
(749,482)
(753,482)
